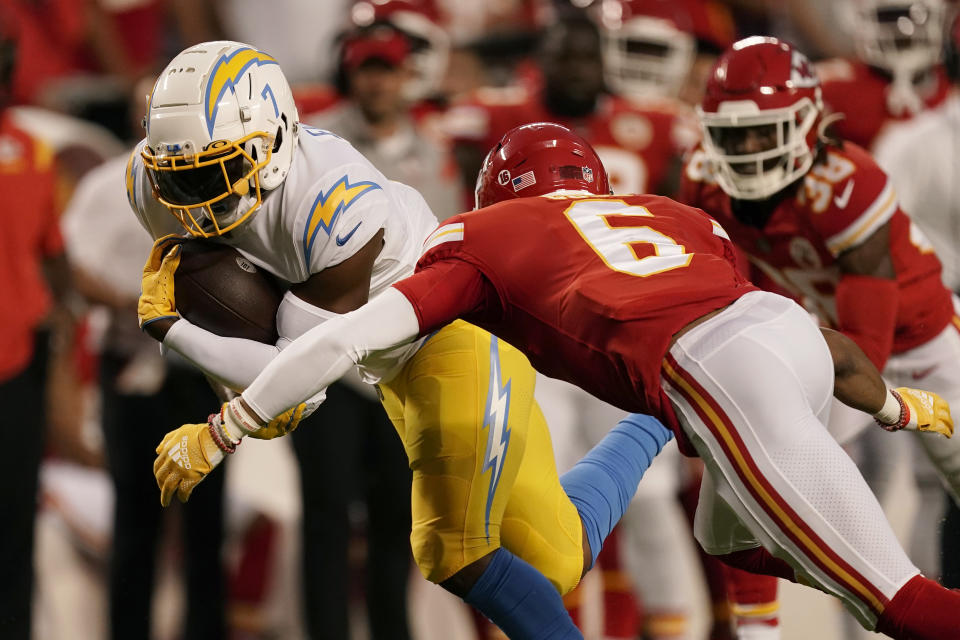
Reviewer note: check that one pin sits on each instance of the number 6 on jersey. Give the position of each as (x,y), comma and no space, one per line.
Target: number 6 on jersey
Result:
(615,231)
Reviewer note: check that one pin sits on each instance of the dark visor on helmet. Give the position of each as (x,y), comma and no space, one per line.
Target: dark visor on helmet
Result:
(191,186)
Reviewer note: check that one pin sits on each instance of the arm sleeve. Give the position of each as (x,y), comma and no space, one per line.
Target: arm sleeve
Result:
(326,352)
(234,362)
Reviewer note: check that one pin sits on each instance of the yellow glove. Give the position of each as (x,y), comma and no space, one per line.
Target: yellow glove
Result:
(156,287)
(283,424)
(184,458)
(918,411)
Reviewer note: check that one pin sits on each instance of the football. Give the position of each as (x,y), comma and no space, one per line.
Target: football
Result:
(223,292)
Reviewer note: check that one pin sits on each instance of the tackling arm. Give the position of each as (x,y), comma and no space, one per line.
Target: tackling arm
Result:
(858,384)
(326,352)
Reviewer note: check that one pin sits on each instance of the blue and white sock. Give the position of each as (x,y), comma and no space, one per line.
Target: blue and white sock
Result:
(602,483)
(521,601)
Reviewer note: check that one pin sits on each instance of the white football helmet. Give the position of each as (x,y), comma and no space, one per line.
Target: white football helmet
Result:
(221,129)
(901,36)
(648,47)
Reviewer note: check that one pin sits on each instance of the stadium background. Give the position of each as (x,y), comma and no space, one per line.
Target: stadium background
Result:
(80,72)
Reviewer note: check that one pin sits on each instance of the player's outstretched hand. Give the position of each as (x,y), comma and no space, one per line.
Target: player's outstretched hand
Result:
(283,424)
(184,458)
(156,288)
(922,411)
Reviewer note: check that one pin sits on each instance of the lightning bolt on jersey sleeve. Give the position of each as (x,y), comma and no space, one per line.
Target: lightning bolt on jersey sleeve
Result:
(339,215)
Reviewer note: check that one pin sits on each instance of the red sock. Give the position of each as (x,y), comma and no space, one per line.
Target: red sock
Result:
(572,603)
(620,611)
(753,598)
(922,610)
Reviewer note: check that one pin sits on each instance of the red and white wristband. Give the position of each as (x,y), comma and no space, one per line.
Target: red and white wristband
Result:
(233,418)
(895,414)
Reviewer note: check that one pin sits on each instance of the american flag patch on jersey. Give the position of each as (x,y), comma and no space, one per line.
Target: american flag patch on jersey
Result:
(524,181)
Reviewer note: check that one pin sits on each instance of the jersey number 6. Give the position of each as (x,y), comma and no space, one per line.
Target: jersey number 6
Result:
(616,232)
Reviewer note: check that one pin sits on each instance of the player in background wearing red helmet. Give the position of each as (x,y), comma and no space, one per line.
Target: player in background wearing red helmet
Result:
(637,299)
(639,143)
(821,220)
(899,72)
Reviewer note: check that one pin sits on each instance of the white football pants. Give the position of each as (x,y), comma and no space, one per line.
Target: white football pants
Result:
(752,388)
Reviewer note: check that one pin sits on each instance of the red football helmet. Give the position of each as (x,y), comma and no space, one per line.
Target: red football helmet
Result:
(536,159)
(760,116)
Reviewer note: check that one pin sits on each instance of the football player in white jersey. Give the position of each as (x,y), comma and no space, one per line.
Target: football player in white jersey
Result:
(225,154)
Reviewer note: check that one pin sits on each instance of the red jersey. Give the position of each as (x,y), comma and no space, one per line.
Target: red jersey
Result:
(591,289)
(859,92)
(30,234)
(840,204)
(637,141)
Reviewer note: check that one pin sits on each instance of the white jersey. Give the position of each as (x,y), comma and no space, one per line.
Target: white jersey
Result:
(331,204)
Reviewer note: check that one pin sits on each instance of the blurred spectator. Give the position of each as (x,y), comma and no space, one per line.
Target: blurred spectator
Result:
(141,397)
(899,70)
(300,34)
(428,43)
(376,118)
(34,285)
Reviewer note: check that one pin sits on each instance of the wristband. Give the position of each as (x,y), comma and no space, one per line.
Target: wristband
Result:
(237,419)
(895,414)
(219,435)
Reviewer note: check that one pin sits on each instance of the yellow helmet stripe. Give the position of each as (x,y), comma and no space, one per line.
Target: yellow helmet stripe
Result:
(226,71)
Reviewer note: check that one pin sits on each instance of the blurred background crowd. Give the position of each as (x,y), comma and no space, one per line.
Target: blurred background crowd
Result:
(309,538)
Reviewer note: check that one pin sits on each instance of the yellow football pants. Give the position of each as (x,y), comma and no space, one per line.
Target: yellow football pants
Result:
(482,460)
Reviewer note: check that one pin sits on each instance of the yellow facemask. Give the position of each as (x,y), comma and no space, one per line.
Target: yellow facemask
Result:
(184,183)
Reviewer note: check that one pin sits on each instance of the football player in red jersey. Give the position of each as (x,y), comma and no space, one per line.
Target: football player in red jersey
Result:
(640,141)
(637,300)
(899,71)
(820,220)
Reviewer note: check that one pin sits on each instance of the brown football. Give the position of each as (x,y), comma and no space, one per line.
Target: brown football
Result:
(219,290)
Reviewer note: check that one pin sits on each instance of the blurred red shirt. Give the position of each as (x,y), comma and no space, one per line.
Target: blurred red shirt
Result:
(29,233)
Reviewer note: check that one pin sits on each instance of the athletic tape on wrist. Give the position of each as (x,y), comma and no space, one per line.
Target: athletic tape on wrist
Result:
(894,414)
(236,416)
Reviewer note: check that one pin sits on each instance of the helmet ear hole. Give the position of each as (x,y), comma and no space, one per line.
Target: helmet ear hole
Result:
(278,140)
